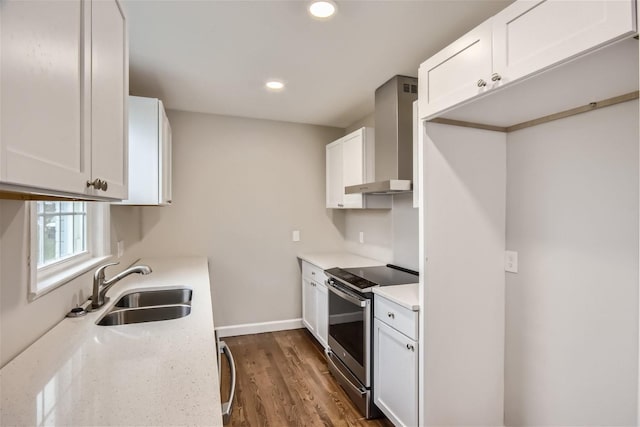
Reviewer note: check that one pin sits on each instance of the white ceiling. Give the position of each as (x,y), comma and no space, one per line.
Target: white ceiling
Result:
(215,56)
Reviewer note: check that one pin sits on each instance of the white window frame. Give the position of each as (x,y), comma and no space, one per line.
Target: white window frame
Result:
(98,247)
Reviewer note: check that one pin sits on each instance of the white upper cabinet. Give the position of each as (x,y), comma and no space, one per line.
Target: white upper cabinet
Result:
(149,153)
(456,73)
(335,188)
(64,79)
(527,37)
(350,161)
(42,140)
(109,91)
(534,34)
(357,155)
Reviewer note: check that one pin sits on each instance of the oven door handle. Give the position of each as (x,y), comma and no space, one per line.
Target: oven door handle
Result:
(360,302)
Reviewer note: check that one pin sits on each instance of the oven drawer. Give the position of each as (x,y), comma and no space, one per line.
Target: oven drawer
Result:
(313,273)
(398,317)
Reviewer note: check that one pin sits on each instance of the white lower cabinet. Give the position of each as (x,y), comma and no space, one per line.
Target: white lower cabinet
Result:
(315,303)
(395,364)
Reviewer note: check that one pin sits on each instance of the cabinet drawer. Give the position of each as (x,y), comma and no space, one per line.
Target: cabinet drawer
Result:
(313,273)
(396,316)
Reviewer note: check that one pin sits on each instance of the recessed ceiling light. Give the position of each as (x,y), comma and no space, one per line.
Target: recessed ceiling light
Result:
(274,85)
(322,8)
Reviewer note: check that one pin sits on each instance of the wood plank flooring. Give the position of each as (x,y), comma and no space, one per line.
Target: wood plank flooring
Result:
(283,380)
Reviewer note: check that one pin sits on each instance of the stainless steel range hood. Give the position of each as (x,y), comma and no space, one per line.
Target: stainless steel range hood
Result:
(393,138)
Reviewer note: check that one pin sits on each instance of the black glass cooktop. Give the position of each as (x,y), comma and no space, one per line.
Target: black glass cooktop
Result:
(364,278)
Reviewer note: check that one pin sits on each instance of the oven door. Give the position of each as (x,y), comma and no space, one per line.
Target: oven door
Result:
(350,330)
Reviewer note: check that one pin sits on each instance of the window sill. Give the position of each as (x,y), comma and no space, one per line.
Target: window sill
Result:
(58,279)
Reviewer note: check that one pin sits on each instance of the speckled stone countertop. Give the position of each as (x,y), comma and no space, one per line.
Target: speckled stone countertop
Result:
(405,295)
(327,260)
(156,373)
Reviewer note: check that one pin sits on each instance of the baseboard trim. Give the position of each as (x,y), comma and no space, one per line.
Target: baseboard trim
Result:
(258,328)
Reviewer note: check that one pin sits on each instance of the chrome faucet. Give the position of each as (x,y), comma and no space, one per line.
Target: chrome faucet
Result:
(101,286)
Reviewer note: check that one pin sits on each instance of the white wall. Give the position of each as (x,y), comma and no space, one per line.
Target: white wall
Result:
(572,310)
(240,187)
(462,329)
(23,322)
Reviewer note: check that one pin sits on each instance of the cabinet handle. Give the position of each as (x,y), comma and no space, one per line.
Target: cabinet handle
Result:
(481,83)
(340,205)
(410,347)
(391,315)
(98,184)
(495,77)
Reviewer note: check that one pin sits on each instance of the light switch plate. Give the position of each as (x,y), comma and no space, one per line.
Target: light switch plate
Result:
(296,235)
(511,261)
(120,248)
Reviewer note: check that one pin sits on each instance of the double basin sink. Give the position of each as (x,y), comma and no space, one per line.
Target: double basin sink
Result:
(149,306)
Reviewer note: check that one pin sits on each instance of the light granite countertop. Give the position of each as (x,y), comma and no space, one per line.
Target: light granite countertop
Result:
(405,295)
(326,260)
(156,373)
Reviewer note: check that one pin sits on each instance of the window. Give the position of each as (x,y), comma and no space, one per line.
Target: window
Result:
(67,239)
(62,231)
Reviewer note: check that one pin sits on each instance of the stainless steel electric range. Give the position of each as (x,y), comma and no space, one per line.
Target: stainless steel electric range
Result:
(350,327)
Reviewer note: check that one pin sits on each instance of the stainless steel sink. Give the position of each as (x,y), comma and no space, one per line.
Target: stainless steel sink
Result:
(152,298)
(147,314)
(149,306)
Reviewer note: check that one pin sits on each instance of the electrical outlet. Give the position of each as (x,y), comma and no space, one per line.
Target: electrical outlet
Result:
(362,237)
(511,261)
(120,248)
(296,236)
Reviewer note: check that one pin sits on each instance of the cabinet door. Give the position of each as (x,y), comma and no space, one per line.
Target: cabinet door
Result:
(309,305)
(534,34)
(353,167)
(453,75)
(395,375)
(335,188)
(42,54)
(109,91)
(165,164)
(322,314)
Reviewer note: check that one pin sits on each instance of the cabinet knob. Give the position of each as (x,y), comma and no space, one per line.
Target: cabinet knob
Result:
(481,83)
(313,273)
(410,347)
(391,315)
(340,205)
(495,77)
(98,184)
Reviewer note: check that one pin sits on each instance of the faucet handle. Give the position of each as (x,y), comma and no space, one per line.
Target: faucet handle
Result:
(100,270)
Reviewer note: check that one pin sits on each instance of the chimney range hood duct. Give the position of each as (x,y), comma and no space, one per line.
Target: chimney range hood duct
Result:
(393,138)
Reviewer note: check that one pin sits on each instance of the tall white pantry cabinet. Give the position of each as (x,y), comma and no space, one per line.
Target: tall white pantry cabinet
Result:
(533,63)
(64,87)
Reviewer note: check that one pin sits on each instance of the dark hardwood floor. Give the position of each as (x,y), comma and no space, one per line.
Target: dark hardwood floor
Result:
(283,380)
